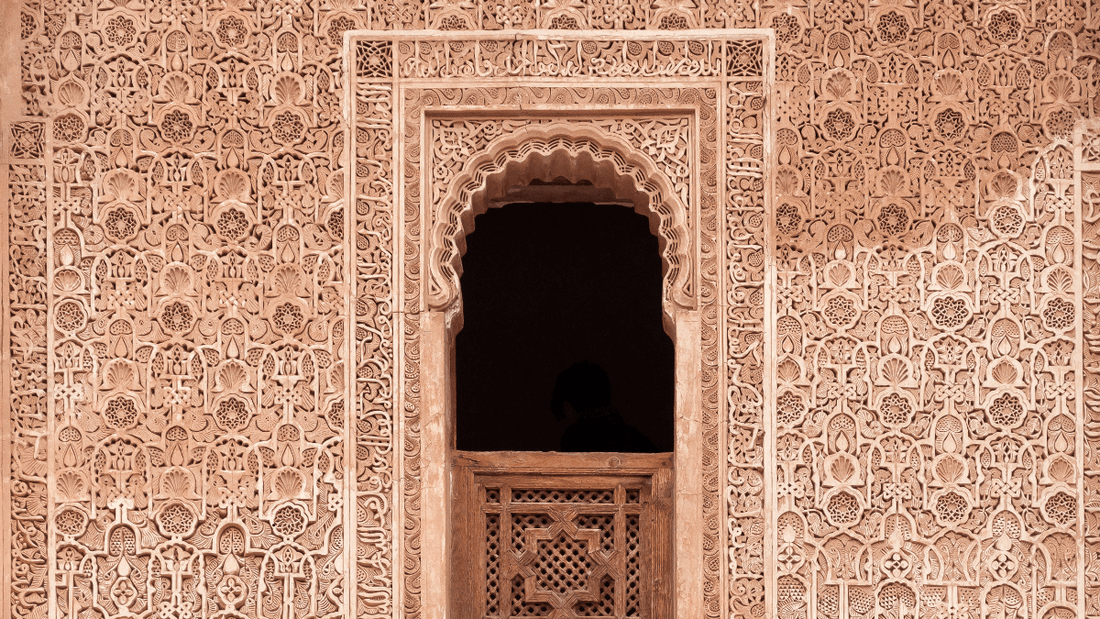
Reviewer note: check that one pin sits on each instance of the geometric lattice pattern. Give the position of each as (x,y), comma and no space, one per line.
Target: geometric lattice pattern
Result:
(558,548)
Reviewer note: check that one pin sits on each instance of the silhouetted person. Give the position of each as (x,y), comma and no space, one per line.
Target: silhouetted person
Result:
(599,427)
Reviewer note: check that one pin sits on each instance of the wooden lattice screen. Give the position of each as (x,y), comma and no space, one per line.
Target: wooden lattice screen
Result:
(589,538)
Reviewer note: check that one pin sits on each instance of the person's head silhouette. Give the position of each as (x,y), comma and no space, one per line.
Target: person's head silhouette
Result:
(585,386)
(598,426)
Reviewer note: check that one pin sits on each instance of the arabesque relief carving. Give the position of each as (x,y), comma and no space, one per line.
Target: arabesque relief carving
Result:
(930,448)
(176,212)
(926,403)
(891,243)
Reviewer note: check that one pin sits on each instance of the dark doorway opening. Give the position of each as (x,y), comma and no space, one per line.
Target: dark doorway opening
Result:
(545,286)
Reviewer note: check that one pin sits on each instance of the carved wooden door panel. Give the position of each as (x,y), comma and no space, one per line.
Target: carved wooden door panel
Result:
(562,535)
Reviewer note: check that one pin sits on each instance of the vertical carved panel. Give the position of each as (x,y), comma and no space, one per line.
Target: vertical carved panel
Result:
(412,234)
(25,346)
(181,280)
(25,424)
(926,404)
(1087,198)
(744,350)
(374,241)
(26,343)
(926,144)
(925,333)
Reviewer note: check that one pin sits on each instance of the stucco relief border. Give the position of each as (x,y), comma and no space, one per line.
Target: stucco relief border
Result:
(538,74)
(1086,195)
(20,160)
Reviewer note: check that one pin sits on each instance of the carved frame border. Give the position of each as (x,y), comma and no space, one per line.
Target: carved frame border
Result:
(398,82)
(1086,196)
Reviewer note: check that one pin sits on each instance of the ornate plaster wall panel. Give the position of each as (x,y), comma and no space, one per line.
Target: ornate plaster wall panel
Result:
(469,110)
(126,123)
(177,307)
(928,400)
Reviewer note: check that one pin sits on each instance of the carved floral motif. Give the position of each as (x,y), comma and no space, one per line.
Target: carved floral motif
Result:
(927,407)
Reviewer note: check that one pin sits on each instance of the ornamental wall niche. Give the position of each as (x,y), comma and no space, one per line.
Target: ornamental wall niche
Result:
(228,223)
(462,116)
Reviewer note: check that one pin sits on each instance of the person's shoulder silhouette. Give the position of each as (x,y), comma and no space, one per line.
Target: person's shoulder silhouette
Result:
(585,388)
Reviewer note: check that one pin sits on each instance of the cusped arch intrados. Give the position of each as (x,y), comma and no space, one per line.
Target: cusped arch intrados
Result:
(548,153)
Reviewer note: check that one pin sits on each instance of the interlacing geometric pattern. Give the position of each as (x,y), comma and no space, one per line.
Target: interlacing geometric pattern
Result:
(177,312)
(572,549)
(199,324)
(926,404)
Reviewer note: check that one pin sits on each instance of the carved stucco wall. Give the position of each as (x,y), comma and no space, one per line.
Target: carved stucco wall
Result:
(932,364)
